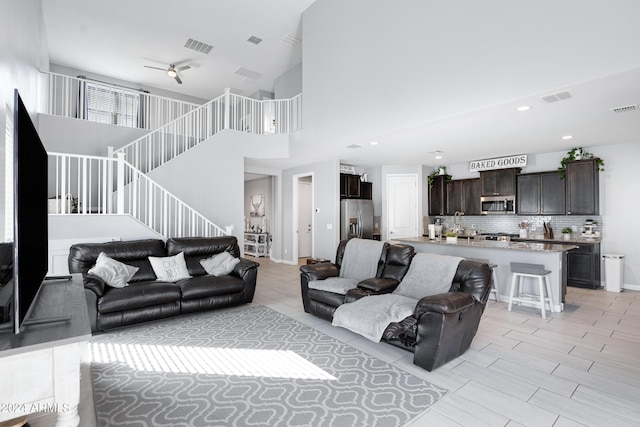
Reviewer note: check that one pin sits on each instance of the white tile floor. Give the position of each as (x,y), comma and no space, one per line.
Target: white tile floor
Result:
(578,367)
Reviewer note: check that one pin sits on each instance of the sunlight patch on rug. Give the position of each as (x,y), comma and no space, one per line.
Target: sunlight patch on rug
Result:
(213,361)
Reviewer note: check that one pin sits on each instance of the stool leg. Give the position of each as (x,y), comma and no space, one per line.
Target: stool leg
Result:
(541,286)
(549,294)
(513,289)
(495,282)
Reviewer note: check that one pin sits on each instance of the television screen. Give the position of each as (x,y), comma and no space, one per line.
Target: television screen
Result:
(30,232)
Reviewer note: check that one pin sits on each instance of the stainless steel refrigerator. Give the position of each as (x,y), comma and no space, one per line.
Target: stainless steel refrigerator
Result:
(356,219)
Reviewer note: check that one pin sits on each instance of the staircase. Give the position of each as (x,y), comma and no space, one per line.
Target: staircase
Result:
(118,183)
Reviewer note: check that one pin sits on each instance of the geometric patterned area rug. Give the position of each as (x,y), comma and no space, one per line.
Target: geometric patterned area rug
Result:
(246,366)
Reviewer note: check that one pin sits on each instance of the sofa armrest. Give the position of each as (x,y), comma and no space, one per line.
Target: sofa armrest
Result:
(319,271)
(248,271)
(94,284)
(379,285)
(244,266)
(447,303)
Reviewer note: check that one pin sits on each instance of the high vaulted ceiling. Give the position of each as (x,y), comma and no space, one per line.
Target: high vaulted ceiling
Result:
(117,38)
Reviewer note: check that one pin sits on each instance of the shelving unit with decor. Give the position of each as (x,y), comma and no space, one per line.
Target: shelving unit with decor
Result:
(256,244)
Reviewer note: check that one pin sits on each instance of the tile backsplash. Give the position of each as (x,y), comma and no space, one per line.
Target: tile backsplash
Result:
(509,223)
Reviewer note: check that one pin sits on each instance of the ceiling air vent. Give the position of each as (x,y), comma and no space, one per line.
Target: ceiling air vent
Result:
(198,46)
(291,40)
(625,109)
(559,96)
(254,40)
(254,75)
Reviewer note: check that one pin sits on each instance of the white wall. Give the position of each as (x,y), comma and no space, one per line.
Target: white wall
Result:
(210,176)
(23,52)
(75,136)
(326,188)
(368,82)
(288,84)
(259,186)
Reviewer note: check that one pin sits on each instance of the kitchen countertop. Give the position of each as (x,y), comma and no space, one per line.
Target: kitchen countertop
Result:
(575,238)
(512,245)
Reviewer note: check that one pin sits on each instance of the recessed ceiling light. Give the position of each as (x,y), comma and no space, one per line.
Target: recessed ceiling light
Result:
(567,137)
(374,142)
(438,157)
(523,108)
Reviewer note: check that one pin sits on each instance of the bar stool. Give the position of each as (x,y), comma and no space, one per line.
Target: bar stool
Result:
(521,270)
(494,276)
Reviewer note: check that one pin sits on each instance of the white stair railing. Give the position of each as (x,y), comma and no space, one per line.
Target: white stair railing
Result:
(227,111)
(174,138)
(110,185)
(112,104)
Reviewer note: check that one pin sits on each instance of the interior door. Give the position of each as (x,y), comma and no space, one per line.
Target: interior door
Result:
(304,218)
(402,206)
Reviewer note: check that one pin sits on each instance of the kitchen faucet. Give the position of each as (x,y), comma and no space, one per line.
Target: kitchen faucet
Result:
(456,225)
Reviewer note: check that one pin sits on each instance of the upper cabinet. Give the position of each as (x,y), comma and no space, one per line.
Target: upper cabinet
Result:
(437,195)
(540,194)
(582,187)
(351,187)
(501,182)
(463,195)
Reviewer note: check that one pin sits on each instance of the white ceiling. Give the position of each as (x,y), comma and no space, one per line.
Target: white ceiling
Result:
(117,38)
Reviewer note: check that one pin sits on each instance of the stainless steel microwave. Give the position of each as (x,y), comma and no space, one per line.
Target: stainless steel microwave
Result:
(494,205)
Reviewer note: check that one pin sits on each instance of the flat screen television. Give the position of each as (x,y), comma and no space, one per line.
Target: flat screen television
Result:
(30,216)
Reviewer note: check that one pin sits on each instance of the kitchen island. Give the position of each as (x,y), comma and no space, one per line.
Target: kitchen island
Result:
(552,255)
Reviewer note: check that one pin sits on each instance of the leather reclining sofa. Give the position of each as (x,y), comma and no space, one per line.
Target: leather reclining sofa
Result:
(149,299)
(441,327)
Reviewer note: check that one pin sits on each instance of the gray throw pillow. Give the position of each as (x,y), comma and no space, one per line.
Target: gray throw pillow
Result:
(171,268)
(114,273)
(220,264)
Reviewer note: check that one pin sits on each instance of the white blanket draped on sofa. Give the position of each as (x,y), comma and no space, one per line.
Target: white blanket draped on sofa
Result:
(359,262)
(429,274)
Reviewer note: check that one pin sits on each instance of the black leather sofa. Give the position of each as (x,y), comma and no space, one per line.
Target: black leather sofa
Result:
(393,265)
(442,326)
(148,299)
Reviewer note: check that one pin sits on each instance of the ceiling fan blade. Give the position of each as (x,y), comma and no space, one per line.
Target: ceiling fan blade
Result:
(155,68)
(184,67)
(178,79)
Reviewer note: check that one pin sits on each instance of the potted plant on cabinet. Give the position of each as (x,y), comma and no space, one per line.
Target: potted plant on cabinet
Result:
(440,170)
(577,154)
(566,233)
(451,237)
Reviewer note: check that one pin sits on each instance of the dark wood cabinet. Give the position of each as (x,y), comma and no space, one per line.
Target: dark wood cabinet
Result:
(540,194)
(438,195)
(366,190)
(583,266)
(501,182)
(463,195)
(582,187)
(351,187)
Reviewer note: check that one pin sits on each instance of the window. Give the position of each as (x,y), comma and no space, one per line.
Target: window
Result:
(110,105)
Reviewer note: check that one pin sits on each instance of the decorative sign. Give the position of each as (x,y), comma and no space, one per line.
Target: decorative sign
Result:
(518,161)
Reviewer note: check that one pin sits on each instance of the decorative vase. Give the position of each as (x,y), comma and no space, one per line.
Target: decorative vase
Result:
(441,171)
(566,236)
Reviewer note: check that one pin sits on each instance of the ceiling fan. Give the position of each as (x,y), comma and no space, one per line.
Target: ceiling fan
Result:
(172,71)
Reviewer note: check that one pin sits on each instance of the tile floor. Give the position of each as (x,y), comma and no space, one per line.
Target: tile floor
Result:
(578,367)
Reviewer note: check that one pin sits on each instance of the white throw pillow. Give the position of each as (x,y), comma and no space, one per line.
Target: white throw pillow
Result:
(220,264)
(171,268)
(114,273)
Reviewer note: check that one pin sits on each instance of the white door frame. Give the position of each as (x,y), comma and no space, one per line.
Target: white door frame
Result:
(417,199)
(294,230)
